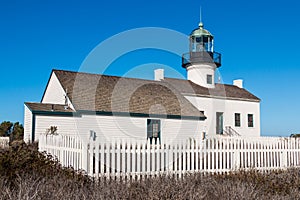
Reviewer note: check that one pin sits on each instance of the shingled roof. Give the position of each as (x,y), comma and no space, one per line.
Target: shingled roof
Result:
(48,107)
(94,92)
(187,87)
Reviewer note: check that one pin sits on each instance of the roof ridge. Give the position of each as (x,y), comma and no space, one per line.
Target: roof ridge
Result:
(175,78)
(227,84)
(104,75)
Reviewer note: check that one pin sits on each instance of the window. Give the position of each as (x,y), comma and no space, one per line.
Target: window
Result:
(250,120)
(209,79)
(237,119)
(153,130)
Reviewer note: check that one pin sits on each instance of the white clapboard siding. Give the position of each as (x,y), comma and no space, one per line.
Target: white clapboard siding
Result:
(4,142)
(125,159)
(110,128)
(54,92)
(229,107)
(65,125)
(27,124)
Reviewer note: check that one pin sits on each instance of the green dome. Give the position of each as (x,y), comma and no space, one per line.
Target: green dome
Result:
(201,31)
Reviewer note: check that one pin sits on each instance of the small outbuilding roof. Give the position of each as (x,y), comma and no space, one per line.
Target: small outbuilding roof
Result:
(46,107)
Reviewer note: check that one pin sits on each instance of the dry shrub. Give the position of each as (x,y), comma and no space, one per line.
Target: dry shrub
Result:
(26,173)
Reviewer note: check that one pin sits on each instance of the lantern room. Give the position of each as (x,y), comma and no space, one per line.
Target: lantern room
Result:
(201,48)
(201,40)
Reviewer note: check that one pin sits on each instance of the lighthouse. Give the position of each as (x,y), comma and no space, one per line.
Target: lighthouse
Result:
(201,61)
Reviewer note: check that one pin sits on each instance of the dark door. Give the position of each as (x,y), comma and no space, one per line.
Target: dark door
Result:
(219,123)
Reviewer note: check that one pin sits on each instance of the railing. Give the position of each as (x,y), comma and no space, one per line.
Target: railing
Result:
(229,131)
(201,57)
(135,160)
(4,142)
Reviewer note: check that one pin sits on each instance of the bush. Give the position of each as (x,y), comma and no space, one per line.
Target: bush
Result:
(26,173)
(21,160)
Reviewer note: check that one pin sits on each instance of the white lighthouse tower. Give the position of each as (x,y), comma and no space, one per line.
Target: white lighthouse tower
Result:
(201,61)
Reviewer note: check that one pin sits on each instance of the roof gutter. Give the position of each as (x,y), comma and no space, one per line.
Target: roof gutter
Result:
(79,113)
(219,97)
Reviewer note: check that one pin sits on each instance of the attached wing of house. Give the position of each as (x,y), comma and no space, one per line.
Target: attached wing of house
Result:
(230,110)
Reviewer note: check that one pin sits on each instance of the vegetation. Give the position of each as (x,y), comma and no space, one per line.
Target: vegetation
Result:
(295,135)
(14,130)
(26,173)
(52,130)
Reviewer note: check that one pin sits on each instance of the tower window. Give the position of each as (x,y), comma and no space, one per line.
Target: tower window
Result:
(250,120)
(153,130)
(237,119)
(209,79)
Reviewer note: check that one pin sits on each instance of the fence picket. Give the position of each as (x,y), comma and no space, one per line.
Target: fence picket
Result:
(113,157)
(138,157)
(148,170)
(157,156)
(97,159)
(180,158)
(143,169)
(118,160)
(128,160)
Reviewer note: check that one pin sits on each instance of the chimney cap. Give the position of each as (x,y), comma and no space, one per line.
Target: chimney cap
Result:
(238,83)
(159,74)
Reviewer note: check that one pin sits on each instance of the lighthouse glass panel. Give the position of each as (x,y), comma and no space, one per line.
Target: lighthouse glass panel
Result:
(202,43)
(198,39)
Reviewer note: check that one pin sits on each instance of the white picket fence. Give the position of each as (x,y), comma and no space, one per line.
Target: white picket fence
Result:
(134,160)
(4,142)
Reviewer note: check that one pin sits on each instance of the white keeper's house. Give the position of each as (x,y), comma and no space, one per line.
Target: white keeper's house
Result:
(167,109)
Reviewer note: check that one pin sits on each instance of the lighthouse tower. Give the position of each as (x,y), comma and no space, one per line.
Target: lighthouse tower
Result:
(201,61)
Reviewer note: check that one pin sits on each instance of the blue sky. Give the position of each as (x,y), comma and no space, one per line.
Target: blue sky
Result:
(258,40)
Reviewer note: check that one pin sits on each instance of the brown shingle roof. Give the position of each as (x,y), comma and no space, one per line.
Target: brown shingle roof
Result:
(47,107)
(221,90)
(94,92)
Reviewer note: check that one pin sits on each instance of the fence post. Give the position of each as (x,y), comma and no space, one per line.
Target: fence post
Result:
(283,153)
(283,161)
(61,148)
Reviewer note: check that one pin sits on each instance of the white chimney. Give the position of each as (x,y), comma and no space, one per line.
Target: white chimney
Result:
(159,74)
(238,83)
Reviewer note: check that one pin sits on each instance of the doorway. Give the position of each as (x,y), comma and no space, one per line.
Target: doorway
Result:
(219,123)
